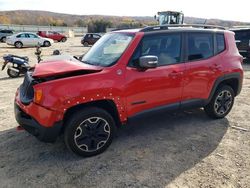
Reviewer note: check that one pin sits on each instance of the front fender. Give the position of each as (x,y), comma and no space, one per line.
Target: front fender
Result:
(62,94)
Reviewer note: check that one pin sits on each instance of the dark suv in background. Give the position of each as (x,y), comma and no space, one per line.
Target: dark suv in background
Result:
(90,39)
(242,37)
(4,33)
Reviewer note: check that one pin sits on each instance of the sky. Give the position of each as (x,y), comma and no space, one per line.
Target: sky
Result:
(222,9)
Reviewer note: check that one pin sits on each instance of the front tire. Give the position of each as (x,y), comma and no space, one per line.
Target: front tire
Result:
(89,132)
(221,103)
(85,44)
(12,74)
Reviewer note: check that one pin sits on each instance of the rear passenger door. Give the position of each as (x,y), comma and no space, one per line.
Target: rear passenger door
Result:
(202,65)
(160,86)
(33,40)
(90,39)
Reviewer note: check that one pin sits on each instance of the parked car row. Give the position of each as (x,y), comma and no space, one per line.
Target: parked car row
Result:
(29,39)
(43,38)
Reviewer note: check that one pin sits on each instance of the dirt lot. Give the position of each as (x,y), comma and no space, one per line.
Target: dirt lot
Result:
(184,149)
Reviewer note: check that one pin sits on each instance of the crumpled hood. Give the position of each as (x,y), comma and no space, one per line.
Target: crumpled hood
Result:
(59,65)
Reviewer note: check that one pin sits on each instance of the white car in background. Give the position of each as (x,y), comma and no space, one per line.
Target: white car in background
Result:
(26,39)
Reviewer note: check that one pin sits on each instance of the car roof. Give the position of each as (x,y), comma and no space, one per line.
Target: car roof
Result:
(176,27)
(127,30)
(6,30)
(240,29)
(26,33)
(92,34)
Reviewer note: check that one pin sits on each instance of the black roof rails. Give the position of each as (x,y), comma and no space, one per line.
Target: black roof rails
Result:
(166,27)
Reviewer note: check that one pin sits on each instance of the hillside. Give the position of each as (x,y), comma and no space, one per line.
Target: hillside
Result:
(29,17)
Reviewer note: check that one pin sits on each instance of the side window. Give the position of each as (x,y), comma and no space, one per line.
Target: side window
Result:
(200,46)
(96,36)
(21,36)
(32,36)
(166,47)
(220,43)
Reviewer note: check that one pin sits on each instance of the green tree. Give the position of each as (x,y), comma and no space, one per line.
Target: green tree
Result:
(98,26)
(80,23)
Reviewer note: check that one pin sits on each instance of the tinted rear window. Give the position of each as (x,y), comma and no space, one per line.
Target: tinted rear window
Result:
(220,43)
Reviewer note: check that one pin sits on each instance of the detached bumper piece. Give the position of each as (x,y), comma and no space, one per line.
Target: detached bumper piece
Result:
(45,134)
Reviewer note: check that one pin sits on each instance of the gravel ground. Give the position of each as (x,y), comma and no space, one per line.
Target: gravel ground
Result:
(185,149)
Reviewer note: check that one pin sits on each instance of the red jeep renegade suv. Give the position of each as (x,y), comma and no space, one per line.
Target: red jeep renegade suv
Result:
(125,74)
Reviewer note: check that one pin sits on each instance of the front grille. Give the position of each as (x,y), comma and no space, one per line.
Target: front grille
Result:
(26,89)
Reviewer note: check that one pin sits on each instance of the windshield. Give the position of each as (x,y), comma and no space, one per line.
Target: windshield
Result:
(108,49)
(163,19)
(170,18)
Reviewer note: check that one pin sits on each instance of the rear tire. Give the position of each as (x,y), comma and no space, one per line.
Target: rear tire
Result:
(63,39)
(12,73)
(46,43)
(85,44)
(89,132)
(18,44)
(221,103)
(3,40)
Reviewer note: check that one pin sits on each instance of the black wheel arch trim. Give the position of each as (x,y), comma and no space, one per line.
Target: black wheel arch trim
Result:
(218,81)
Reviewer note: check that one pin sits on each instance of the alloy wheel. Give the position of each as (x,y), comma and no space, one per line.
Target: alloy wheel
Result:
(92,134)
(223,102)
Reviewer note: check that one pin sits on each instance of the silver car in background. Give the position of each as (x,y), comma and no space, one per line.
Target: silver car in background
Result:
(4,33)
(26,39)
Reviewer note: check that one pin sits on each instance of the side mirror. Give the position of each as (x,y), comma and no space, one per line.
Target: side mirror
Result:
(148,62)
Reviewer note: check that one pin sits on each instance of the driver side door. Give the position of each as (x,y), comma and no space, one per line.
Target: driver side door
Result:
(158,87)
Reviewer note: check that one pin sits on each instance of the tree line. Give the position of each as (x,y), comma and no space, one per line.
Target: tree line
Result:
(93,25)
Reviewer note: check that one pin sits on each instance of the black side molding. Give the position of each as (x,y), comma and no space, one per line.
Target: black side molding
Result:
(157,110)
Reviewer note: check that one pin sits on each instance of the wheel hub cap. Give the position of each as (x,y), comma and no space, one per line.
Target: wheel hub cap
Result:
(223,102)
(92,134)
